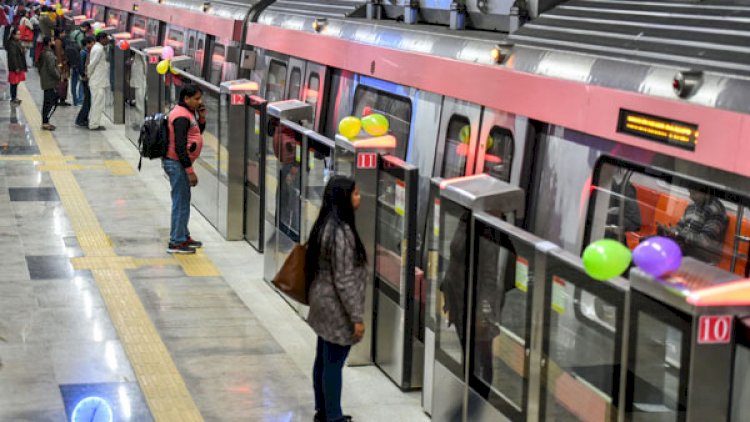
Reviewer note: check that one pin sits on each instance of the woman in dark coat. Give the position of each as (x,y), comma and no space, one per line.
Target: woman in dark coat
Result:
(16,64)
(335,266)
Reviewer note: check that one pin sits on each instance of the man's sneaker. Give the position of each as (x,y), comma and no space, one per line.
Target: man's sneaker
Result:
(194,243)
(182,248)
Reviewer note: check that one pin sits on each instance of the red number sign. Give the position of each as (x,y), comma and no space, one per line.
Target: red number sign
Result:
(367,160)
(153,59)
(714,329)
(238,99)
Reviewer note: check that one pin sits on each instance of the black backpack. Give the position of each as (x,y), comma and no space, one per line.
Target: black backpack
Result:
(152,142)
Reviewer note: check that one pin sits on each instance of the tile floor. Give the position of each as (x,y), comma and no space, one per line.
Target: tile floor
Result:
(242,351)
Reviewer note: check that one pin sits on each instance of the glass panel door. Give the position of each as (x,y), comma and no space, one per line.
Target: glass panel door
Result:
(500,318)
(659,356)
(450,335)
(320,162)
(255,183)
(581,378)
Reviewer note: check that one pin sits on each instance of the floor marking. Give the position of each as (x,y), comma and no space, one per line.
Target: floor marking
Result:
(161,383)
(198,265)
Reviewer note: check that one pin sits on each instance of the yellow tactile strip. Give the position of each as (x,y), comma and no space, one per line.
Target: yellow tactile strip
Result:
(164,389)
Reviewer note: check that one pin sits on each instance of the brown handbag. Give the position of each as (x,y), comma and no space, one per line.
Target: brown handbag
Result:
(291,278)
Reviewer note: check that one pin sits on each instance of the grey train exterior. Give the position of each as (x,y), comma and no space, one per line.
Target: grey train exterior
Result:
(689,57)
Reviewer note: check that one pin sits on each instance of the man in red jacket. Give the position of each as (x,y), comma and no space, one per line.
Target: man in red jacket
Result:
(187,121)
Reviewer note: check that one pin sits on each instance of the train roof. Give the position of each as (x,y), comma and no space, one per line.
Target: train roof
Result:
(639,46)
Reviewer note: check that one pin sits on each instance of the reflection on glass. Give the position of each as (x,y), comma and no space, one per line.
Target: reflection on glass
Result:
(741,383)
(217,64)
(499,321)
(287,144)
(582,362)
(395,108)
(152,36)
(499,153)
(451,313)
(456,150)
(209,157)
(176,40)
(312,92)
(389,259)
(632,206)
(138,29)
(276,81)
(252,148)
(137,107)
(656,375)
(295,83)
(319,170)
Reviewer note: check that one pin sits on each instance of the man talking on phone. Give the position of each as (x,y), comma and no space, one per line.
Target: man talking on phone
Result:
(186,123)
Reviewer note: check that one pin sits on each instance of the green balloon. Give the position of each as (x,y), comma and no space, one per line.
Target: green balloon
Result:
(375,124)
(606,259)
(97,31)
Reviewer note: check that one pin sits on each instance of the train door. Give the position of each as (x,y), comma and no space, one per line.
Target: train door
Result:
(314,91)
(296,73)
(457,139)
(77,7)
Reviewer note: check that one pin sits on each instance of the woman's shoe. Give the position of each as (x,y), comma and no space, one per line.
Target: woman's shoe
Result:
(48,127)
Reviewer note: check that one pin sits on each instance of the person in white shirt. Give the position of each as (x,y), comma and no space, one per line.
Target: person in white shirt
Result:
(98,74)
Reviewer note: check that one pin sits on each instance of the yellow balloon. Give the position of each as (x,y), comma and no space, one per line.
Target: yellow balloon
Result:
(163,67)
(60,12)
(465,134)
(375,124)
(350,126)
(173,70)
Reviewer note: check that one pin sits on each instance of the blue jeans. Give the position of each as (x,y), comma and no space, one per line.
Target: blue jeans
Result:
(329,363)
(76,88)
(178,179)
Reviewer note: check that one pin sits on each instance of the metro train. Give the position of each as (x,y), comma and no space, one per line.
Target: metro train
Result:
(607,114)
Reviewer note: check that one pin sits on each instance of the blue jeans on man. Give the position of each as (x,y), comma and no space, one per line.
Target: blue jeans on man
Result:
(76,88)
(327,379)
(178,179)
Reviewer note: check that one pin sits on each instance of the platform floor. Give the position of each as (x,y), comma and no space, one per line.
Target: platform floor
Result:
(91,305)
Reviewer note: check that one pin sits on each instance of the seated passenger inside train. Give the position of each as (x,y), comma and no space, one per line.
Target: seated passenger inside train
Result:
(701,230)
(629,220)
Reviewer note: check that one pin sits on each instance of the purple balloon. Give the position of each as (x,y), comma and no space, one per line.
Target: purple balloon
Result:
(658,256)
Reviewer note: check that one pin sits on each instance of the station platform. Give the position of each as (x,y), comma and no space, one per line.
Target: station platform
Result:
(91,305)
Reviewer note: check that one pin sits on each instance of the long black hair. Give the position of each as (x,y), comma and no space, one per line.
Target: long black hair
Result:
(337,211)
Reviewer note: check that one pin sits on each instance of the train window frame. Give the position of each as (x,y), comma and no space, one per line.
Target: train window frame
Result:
(284,67)
(672,180)
(506,134)
(134,25)
(310,77)
(296,72)
(168,38)
(463,121)
(401,146)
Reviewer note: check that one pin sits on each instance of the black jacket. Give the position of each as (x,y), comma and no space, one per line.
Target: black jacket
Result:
(16,57)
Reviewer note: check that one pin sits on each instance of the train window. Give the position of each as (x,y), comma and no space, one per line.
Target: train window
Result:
(276,81)
(312,92)
(217,64)
(631,203)
(152,35)
(176,40)
(295,83)
(499,153)
(191,43)
(200,53)
(396,108)
(138,30)
(456,148)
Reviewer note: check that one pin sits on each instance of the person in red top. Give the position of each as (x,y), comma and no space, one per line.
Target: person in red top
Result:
(187,121)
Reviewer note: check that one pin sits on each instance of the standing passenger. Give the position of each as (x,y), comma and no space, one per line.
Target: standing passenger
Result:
(61,38)
(49,76)
(97,72)
(335,266)
(184,147)
(16,64)
(82,120)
